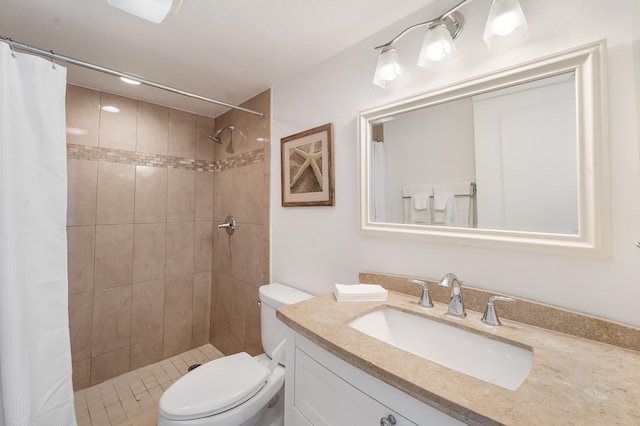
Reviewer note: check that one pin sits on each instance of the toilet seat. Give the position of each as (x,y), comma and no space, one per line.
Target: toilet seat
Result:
(214,387)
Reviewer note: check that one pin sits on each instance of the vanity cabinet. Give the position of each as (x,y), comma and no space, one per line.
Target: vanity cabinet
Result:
(322,389)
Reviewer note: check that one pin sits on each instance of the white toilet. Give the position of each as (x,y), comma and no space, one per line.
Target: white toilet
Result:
(237,389)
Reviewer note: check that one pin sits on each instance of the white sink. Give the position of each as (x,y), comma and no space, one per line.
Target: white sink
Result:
(493,361)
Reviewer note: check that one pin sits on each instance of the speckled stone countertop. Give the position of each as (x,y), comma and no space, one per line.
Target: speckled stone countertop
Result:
(574,381)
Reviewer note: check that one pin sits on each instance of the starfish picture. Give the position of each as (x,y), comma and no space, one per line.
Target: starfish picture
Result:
(306,168)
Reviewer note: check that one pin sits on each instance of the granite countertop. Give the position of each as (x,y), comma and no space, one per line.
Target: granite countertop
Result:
(573,380)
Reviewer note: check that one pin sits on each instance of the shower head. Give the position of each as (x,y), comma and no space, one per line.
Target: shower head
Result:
(216,136)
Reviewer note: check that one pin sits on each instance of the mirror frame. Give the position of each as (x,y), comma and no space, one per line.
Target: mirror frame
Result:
(594,216)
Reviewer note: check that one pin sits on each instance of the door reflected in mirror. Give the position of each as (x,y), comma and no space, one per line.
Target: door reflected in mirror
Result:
(505,159)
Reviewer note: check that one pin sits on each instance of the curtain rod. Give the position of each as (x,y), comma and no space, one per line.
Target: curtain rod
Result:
(61,58)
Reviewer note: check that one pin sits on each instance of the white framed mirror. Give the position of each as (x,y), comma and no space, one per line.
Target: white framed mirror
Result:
(514,160)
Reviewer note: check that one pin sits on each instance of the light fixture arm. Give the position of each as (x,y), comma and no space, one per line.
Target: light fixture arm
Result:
(456,22)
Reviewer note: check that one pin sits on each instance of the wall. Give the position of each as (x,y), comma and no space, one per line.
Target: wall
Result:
(241,262)
(140,232)
(313,248)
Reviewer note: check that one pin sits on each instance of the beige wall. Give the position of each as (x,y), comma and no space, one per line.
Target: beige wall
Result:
(140,232)
(241,263)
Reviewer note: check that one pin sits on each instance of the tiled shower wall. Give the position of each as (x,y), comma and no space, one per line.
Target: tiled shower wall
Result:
(241,262)
(140,231)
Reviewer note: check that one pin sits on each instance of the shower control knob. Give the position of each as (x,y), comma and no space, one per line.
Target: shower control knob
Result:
(390,420)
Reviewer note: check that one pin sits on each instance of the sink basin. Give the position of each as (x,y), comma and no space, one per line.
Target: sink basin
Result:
(493,361)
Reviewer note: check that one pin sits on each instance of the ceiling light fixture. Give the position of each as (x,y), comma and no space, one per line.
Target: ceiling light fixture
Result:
(156,11)
(438,45)
(110,108)
(129,81)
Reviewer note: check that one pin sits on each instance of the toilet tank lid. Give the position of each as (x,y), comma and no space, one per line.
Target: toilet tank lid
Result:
(277,295)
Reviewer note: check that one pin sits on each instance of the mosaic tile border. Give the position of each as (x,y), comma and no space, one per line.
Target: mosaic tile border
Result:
(94,153)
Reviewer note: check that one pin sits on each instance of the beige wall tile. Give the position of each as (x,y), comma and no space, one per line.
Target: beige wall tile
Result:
(259,128)
(149,252)
(151,194)
(237,199)
(152,128)
(177,342)
(82,188)
(80,258)
(111,320)
(178,304)
(252,332)
(114,255)
(201,297)
(81,374)
(222,309)
(253,254)
(222,252)
(181,195)
(180,237)
(255,193)
(204,196)
(200,334)
(80,325)
(222,195)
(182,134)
(237,304)
(118,130)
(214,295)
(221,340)
(116,189)
(147,310)
(204,145)
(83,115)
(203,251)
(147,352)
(109,365)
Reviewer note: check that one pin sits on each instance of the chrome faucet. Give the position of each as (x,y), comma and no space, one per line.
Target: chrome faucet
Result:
(425,300)
(490,317)
(456,304)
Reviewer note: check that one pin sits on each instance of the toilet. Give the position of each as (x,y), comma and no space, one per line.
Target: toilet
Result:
(237,389)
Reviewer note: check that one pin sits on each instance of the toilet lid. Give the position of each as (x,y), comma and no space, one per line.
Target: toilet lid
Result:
(214,387)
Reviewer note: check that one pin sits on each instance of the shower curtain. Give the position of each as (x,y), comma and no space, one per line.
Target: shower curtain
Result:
(35,352)
(379,185)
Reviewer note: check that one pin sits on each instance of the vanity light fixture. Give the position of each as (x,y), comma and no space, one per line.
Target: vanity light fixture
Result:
(156,11)
(438,46)
(389,67)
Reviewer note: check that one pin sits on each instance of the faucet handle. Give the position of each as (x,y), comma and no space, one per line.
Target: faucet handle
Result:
(490,317)
(425,300)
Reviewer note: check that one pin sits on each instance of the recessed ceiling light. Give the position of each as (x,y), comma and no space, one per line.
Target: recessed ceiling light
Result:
(129,81)
(110,108)
(156,11)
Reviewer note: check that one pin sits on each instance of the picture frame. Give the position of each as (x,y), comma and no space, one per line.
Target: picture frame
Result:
(307,168)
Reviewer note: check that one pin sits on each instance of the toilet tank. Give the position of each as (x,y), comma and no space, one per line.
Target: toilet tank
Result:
(273,296)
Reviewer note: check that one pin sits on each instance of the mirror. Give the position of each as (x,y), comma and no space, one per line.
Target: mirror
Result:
(516,160)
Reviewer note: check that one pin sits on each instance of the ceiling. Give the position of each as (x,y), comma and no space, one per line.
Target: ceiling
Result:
(229,50)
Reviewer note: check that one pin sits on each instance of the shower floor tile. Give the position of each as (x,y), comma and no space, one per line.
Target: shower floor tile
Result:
(132,398)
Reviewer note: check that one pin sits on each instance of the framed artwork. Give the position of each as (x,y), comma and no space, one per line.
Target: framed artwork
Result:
(307,168)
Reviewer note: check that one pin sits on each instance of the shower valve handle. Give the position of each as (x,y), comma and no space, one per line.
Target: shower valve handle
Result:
(229,225)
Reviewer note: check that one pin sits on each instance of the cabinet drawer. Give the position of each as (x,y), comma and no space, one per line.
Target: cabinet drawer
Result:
(326,399)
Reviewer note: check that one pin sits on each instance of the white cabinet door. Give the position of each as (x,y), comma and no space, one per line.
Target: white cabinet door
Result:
(325,399)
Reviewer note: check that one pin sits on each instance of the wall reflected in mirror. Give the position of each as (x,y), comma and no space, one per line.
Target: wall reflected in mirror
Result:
(505,159)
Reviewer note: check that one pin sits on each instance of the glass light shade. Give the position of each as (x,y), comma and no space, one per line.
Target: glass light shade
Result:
(505,16)
(437,46)
(388,68)
(156,11)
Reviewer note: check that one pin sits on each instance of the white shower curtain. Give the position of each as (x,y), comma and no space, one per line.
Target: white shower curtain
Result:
(35,353)
(379,185)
